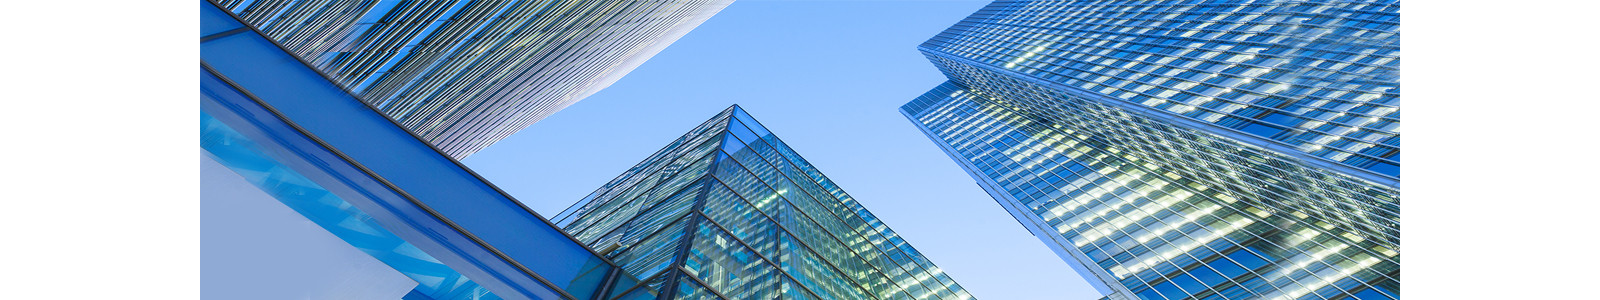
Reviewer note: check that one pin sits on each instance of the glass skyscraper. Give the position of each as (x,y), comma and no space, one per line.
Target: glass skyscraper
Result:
(465,74)
(728,211)
(1185,149)
(309,193)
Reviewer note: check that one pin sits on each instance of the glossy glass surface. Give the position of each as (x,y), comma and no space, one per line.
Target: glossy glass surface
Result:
(465,74)
(1185,149)
(434,279)
(1147,229)
(742,216)
(310,124)
(1321,77)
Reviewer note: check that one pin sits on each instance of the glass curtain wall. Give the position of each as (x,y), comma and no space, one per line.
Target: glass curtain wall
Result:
(728,211)
(318,149)
(1184,149)
(465,74)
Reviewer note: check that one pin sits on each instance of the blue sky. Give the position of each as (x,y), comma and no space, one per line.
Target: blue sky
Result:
(827,77)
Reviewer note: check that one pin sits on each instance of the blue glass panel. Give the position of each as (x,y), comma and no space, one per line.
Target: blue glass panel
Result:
(213,20)
(1169,290)
(1386,168)
(1261,130)
(792,291)
(689,289)
(1256,284)
(1348,283)
(416,295)
(750,122)
(1250,261)
(297,152)
(1150,294)
(345,221)
(645,291)
(744,133)
(367,137)
(423,194)
(730,144)
(1207,276)
(1188,283)
(1235,293)
(639,294)
(1370,294)
(1280,119)
(1328,292)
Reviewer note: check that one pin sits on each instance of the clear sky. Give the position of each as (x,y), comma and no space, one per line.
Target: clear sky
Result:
(827,77)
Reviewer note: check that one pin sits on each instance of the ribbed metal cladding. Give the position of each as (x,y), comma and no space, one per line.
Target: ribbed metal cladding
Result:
(465,74)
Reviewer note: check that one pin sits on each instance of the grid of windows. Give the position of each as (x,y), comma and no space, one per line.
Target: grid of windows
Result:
(728,211)
(1318,76)
(465,74)
(1156,233)
(1245,171)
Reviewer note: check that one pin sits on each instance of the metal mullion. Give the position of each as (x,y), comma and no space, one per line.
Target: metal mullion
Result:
(499,40)
(1264,194)
(419,29)
(1130,111)
(830,263)
(479,17)
(343,36)
(685,274)
(631,176)
(523,77)
(226,4)
(613,60)
(662,230)
(453,161)
(380,31)
(772,261)
(672,153)
(256,11)
(464,22)
(434,109)
(316,26)
(411,20)
(688,231)
(479,114)
(952,105)
(654,186)
(1276,168)
(290,15)
(608,284)
(317,22)
(448,108)
(855,231)
(386,183)
(874,245)
(630,173)
(1336,255)
(623,225)
(633,185)
(847,247)
(636,286)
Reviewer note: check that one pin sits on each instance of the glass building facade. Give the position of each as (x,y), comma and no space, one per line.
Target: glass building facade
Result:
(427,225)
(465,74)
(1185,149)
(728,211)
